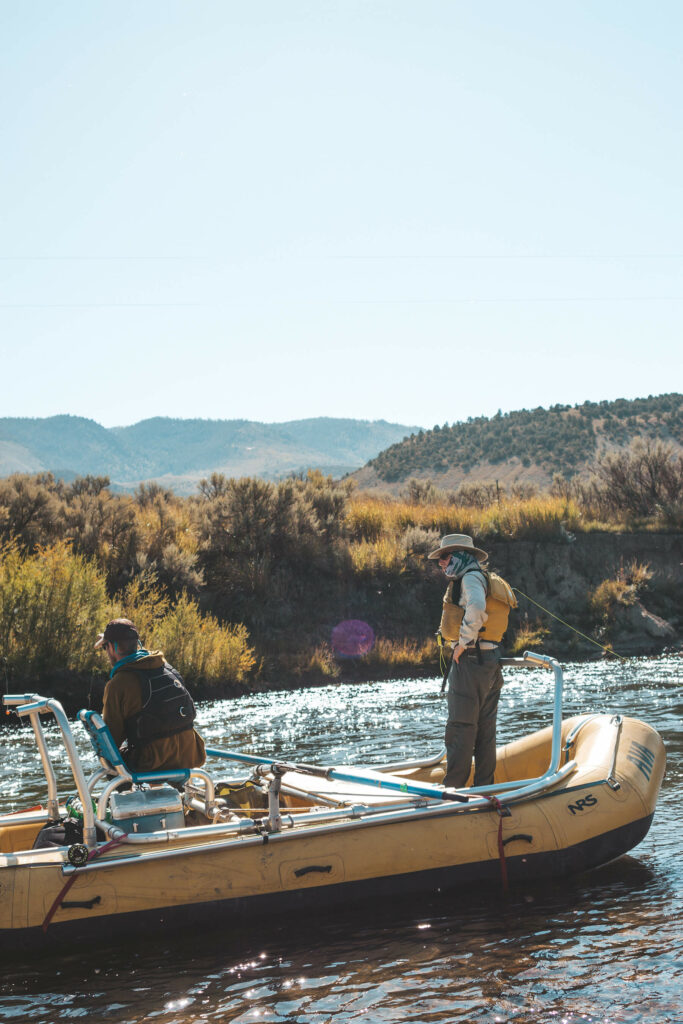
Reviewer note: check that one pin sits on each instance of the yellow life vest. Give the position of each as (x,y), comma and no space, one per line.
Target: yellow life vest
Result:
(499,600)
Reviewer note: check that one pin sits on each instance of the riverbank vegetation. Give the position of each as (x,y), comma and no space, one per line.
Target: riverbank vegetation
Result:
(52,600)
(243,584)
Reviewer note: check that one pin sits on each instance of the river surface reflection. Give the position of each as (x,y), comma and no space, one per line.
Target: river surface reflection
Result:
(602,947)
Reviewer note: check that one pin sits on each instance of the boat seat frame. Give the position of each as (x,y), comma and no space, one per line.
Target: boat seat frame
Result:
(113,765)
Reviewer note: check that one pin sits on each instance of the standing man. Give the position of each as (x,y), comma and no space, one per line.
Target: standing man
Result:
(147,704)
(476,607)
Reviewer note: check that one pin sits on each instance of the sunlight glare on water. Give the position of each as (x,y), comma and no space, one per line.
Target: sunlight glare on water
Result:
(601,948)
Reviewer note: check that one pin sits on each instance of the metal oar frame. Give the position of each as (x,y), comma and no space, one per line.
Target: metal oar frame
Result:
(417,799)
(381,777)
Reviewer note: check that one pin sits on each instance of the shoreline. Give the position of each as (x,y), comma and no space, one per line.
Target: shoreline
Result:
(621,590)
(72,690)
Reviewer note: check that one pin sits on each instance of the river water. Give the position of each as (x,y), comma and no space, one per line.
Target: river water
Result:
(603,947)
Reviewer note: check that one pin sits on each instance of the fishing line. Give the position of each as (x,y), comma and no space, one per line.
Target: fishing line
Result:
(609,650)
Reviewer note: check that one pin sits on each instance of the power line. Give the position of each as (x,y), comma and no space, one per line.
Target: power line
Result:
(98,305)
(363,258)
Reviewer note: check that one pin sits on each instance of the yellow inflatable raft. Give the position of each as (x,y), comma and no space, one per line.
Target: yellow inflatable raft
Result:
(282,835)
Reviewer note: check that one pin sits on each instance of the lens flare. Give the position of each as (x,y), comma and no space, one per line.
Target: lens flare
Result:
(352,638)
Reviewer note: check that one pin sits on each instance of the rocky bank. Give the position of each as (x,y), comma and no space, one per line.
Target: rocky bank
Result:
(565,576)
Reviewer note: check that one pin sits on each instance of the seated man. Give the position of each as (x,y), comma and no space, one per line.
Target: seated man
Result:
(147,704)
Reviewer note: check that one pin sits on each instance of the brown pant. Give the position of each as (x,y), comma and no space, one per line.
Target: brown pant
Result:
(473,692)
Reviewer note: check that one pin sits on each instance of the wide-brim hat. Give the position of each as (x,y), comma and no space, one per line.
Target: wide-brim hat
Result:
(457,542)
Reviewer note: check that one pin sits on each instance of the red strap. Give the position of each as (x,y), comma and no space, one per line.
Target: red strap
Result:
(502,813)
(92,855)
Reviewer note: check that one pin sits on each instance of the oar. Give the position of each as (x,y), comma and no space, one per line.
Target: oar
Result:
(367,777)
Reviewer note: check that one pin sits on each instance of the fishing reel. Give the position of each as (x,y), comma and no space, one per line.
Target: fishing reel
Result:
(77,855)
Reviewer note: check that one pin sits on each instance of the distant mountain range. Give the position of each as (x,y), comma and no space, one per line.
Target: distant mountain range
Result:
(528,446)
(178,453)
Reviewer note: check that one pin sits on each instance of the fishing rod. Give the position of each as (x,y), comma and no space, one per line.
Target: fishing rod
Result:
(609,650)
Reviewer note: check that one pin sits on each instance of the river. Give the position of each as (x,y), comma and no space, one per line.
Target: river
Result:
(603,947)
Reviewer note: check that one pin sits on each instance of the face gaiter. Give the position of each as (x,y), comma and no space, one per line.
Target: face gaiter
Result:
(459,563)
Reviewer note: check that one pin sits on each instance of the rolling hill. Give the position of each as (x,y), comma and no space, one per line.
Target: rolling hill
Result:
(527,446)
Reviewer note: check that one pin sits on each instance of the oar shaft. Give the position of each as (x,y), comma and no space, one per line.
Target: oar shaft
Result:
(230,755)
(425,789)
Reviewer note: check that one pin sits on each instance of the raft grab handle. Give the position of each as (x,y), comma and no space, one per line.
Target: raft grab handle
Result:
(617,721)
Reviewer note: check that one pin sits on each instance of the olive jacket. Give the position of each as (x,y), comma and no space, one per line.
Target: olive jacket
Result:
(123,699)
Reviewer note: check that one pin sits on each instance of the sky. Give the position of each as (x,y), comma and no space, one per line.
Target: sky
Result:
(377,209)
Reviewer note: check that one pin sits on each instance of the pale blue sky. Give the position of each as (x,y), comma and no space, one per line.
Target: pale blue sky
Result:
(416,211)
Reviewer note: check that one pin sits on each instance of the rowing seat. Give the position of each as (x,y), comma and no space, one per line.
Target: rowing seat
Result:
(111,760)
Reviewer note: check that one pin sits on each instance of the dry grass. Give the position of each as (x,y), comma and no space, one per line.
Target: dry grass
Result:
(402,655)
(386,554)
(373,518)
(530,519)
(623,589)
(317,662)
(528,637)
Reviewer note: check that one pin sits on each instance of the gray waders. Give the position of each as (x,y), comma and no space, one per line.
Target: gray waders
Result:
(474,685)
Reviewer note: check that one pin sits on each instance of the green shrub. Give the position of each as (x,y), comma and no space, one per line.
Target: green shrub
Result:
(52,605)
(54,602)
(201,648)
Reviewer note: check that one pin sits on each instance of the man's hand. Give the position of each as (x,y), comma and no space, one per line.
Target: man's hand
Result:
(457,651)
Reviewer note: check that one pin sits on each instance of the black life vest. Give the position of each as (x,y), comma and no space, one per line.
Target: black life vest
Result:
(167,707)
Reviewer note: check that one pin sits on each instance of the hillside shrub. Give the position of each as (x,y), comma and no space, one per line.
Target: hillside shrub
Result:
(288,560)
(418,542)
(167,541)
(29,510)
(644,481)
